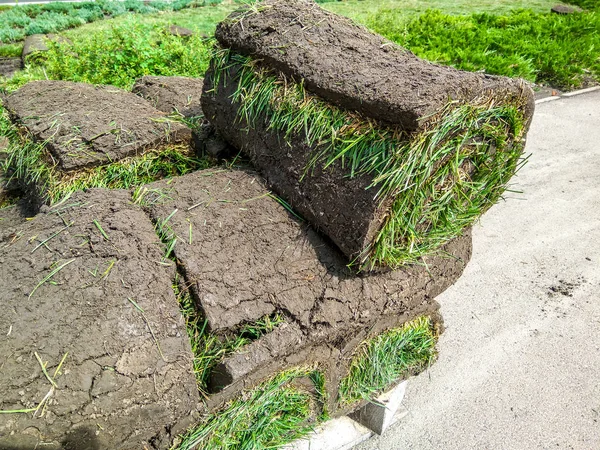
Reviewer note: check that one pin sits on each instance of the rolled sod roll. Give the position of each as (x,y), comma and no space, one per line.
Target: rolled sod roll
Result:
(390,156)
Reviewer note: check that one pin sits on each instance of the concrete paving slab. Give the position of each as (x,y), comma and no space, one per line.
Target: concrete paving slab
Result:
(519,362)
(379,415)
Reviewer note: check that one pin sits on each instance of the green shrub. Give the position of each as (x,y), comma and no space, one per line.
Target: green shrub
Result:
(545,48)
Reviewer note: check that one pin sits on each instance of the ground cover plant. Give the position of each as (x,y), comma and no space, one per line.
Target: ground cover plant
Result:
(365,10)
(549,49)
(11,50)
(23,20)
(383,360)
(586,4)
(118,56)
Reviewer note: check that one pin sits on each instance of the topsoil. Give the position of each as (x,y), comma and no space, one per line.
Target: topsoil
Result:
(86,125)
(244,256)
(182,95)
(8,66)
(356,69)
(169,94)
(126,381)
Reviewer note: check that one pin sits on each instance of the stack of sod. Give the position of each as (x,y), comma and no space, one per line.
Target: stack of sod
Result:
(387,154)
(73,136)
(263,292)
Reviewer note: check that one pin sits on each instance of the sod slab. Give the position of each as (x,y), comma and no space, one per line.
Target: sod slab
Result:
(85,125)
(182,95)
(353,68)
(389,155)
(244,255)
(95,351)
(168,94)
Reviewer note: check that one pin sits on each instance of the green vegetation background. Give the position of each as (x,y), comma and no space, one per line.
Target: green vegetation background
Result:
(513,38)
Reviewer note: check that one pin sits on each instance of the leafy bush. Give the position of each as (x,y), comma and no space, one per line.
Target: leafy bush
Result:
(545,48)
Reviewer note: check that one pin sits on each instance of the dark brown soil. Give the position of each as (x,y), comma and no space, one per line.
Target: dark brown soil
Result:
(353,68)
(88,125)
(114,390)
(8,66)
(285,339)
(11,216)
(341,207)
(249,257)
(170,94)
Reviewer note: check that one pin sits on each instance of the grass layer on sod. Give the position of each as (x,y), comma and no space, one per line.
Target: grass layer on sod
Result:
(387,358)
(442,180)
(28,19)
(274,414)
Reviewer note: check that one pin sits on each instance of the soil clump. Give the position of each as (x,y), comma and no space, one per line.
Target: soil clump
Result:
(94,346)
(85,125)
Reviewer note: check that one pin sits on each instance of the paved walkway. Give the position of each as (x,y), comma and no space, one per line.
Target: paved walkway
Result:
(519,364)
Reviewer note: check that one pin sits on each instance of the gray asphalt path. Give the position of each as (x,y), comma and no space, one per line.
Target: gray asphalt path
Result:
(519,364)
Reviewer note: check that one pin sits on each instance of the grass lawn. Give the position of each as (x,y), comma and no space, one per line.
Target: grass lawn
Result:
(202,20)
(365,11)
(514,38)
